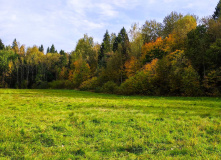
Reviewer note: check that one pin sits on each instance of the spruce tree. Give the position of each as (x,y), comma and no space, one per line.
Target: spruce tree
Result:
(105,48)
(217,12)
(52,49)
(41,48)
(1,45)
(48,50)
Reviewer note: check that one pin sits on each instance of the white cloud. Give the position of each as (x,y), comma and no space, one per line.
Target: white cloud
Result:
(63,22)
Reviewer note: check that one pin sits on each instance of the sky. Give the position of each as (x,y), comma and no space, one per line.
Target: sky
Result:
(64,22)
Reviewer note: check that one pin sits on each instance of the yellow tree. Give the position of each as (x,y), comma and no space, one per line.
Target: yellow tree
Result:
(132,66)
(182,27)
(80,73)
(136,40)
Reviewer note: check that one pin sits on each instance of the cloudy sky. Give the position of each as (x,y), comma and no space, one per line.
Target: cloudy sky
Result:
(63,22)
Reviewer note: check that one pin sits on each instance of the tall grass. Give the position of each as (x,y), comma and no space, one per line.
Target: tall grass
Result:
(67,124)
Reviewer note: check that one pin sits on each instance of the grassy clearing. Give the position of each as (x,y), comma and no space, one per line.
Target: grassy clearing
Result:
(67,124)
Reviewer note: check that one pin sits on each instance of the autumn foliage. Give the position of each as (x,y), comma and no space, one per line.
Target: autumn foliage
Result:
(176,57)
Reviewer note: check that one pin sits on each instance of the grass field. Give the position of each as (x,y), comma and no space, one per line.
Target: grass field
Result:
(67,124)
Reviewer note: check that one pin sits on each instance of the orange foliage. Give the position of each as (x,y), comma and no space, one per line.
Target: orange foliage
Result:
(152,45)
(131,66)
(160,44)
(81,71)
(169,43)
(151,67)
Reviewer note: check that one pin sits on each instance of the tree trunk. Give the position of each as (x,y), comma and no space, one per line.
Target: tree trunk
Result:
(27,75)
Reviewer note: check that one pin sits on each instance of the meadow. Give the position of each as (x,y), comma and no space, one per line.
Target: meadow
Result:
(68,124)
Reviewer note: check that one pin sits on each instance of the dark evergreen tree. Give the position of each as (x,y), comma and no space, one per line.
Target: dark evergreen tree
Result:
(48,50)
(217,12)
(63,58)
(105,48)
(62,52)
(115,44)
(52,49)
(123,40)
(14,44)
(121,47)
(1,45)
(41,48)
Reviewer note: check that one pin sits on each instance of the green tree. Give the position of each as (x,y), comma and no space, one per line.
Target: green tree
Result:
(52,49)
(15,46)
(169,23)
(217,12)
(5,66)
(41,48)
(151,30)
(123,40)
(87,49)
(1,45)
(63,59)
(80,73)
(197,45)
(48,50)
(136,40)
(214,54)
(105,48)
(181,28)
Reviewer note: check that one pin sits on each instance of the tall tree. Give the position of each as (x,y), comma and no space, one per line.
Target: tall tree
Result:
(197,44)
(169,23)
(105,48)
(217,12)
(52,49)
(86,49)
(123,40)
(136,40)
(151,30)
(181,28)
(48,50)
(2,46)
(41,48)
(15,46)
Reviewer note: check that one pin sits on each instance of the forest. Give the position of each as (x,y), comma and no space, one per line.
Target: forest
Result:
(179,57)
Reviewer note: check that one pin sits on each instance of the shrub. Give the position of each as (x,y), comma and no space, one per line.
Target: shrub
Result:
(61,84)
(212,83)
(190,85)
(40,85)
(109,87)
(138,84)
(90,84)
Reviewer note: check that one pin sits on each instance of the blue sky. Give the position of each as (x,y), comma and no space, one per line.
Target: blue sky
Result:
(64,22)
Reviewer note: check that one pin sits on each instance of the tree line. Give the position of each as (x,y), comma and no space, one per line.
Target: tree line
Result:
(178,57)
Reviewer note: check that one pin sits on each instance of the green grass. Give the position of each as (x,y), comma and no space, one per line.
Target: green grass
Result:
(67,124)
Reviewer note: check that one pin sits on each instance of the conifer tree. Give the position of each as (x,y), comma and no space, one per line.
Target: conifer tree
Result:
(48,50)
(105,48)
(52,49)
(41,48)
(217,12)
(1,45)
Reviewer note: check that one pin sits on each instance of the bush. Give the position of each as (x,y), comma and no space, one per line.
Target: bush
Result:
(109,87)
(190,84)
(40,85)
(212,83)
(90,84)
(61,84)
(24,84)
(137,84)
